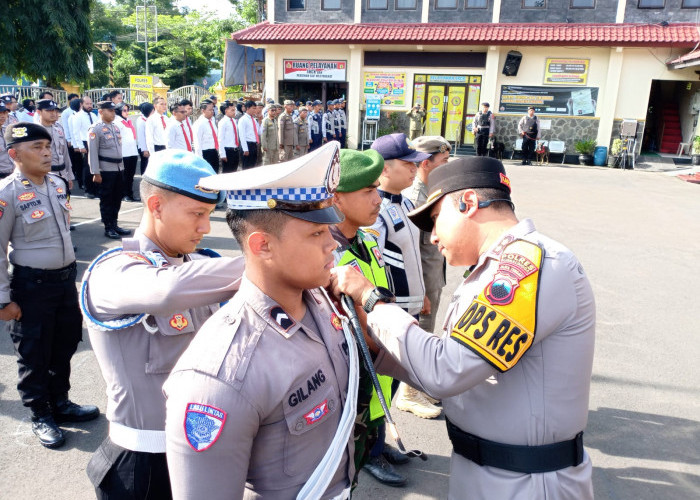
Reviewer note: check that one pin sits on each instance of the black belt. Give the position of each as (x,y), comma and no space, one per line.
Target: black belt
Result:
(57,168)
(45,275)
(517,458)
(109,160)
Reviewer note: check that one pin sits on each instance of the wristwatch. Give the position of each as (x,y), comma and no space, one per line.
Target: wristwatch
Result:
(379,294)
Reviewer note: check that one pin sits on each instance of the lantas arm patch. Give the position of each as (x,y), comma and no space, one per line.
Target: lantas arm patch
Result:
(499,325)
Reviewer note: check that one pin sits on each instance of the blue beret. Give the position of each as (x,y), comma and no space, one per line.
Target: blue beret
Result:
(180,171)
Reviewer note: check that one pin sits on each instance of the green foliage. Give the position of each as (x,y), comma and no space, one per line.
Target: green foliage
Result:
(585,146)
(47,39)
(696,145)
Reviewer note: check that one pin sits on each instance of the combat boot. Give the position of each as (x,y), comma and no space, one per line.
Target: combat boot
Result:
(45,428)
(65,410)
(410,399)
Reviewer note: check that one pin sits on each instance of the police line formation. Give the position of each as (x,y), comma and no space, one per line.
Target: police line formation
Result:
(241,377)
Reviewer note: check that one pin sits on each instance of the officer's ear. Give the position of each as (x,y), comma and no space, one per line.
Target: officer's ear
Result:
(12,153)
(468,202)
(259,244)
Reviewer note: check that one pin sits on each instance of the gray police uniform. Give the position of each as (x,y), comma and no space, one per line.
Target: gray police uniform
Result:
(287,136)
(432,261)
(399,239)
(494,384)
(244,423)
(6,163)
(269,141)
(302,135)
(105,159)
(60,156)
(143,309)
(35,219)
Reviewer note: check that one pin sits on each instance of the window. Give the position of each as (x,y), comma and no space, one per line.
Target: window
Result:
(405,5)
(330,4)
(476,4)
(690,4)
(377,4)
(534,4)
(583,4)
(296,4)
(445,4)
(652,4)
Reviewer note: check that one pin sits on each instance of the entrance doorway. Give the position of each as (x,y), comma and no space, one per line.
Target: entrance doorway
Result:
(310,91)
(672,116)
(450,102)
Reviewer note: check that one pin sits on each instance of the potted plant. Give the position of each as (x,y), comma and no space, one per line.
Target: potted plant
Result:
(585,150)
(696,150)
(615,152)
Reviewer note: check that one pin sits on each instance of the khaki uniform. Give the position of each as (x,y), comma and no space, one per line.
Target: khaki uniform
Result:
(302,135)
(269,141)
(542,399)
(60,157)
(287,136)
(416,122)
(244,424)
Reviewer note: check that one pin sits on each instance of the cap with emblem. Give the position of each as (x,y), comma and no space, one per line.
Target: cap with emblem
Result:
(398,147)
(3,108)
(288,102)
(309,103)
(330,102)
(46,104)
(470,172)
(359,169)
(180,172)
(431,144)
(317,102)
(531,108)
(106,105)
(7,97)
(301,188)
(25,132)
(485,104)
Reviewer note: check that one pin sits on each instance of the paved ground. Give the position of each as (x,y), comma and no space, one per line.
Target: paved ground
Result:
(637,233)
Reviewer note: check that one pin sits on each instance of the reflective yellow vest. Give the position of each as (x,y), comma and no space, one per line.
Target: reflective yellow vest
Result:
(376,273)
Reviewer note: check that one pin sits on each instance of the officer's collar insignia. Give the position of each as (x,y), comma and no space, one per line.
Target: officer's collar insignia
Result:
(203,425)
(283,319)
(19,132)
(317,413)
(335,321)
(206,190)
(179,322)
(26,183)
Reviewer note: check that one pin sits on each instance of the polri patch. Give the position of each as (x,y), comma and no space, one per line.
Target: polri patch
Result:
(27,196)
(3,203)
(37,214)
(378,255)
(335,321)
(317,413)
(203,425)
(179,322)
(280,317)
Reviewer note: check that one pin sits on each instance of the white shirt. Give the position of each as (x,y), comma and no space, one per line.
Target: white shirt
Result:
(204,135)
(228,135)
(25,116)
(65,117)
(246,133)
(155,131)
(178,136)
(80,123)
(128,139)
(141,133)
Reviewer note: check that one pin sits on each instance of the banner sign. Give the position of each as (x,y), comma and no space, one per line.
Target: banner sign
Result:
(571,101)
(312,69)
(141,89)
(435,107)
(391,87)
(372,107)
(566,71)
(455,112)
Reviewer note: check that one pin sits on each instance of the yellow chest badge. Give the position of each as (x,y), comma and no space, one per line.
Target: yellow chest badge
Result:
(499,325)
(179,322)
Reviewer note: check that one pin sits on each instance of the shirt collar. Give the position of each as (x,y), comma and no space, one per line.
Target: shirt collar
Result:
(147,245)
(394,198)
(521,229)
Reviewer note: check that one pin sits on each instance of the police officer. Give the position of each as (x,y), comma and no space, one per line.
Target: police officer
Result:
(60,156)
(40,298)
(107,168)
(358,200)
(239,420)
(514,362)
(11,104)
(288,140)
(336,120)
(301,130)
(6,164)
(432,261)
(328,123)
(415,117)
(484,127)
(343,122)
(269,138)
(316,130)
(529,130)
(143,304)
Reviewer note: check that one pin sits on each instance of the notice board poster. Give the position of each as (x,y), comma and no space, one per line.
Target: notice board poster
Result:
(391,87)
(565,101)
(566,71)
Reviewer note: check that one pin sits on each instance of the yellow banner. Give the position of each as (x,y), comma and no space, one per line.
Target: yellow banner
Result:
(433,119)
(455,112)
(391,87)
(419,93)
(468,132)
(473,103)
(141,88)
(566,71)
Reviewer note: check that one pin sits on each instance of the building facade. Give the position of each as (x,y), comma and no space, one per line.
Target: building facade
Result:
(584,64)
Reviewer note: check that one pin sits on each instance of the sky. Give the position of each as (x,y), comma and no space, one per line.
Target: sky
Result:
(222,8)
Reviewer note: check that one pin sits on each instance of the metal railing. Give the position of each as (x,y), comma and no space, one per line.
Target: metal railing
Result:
(32,92)
(193,93)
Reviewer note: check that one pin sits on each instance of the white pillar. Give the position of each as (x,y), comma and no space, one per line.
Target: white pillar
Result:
(357,18)
(496,14)
(425,10)
(271,65)
(355,96)
(621,6)
(489,84)
(609,94)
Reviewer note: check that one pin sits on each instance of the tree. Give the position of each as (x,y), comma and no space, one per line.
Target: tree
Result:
(49,39)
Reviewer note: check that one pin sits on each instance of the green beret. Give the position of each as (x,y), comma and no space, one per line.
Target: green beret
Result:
(359,169)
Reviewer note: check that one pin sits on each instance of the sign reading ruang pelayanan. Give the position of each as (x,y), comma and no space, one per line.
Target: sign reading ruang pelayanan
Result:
(314,69)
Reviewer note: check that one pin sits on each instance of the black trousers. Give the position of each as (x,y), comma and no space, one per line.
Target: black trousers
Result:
(144,162)
(316,141)
(118,473)
(110,193)
(89,185)
(129,172)
(482,142)
(77,162)
(528,148)
(231,163)
(212,158)
(252,158)
(47,336)
(158,147)
(343,137)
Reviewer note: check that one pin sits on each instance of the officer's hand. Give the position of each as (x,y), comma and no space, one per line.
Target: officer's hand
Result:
(245,153)
(311,142)
(82,150)
(490,135)
(427,306)
(347,280)
(146,154)
(70,184)
(97,179)
(10,311)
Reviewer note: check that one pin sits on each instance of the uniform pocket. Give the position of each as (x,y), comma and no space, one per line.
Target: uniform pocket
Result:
(37,224)
(167,344)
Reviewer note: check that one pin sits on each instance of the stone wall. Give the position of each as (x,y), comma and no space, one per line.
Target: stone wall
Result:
(564,128)
(617,123)
(672,13)
(558,11)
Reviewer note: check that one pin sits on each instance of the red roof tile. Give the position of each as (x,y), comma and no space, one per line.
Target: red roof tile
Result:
(628,35)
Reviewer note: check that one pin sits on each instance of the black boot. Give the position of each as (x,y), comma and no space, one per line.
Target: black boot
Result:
(111,233)
(45,428)
(384,472)
(65,410)
(121,231)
